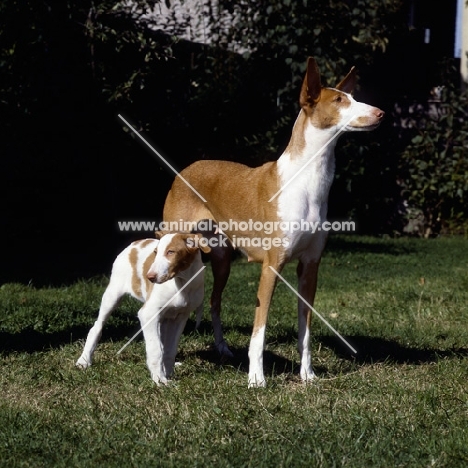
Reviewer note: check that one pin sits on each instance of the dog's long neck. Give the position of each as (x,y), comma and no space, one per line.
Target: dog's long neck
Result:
(307,166)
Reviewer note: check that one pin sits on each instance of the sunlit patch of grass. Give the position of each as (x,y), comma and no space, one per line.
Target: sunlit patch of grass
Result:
(401,401)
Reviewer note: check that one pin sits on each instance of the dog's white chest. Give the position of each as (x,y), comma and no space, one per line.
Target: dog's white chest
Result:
(302,204)
(302,226)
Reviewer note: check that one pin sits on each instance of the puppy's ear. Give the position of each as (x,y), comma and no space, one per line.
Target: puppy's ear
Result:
(202,243)
(158,234)
(191,242)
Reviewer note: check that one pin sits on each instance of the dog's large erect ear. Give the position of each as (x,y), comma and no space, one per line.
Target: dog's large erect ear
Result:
(311,86)
(348,83)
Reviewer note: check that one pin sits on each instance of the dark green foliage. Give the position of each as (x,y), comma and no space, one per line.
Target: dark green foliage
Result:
(69,68)
(434,165)
(275,39)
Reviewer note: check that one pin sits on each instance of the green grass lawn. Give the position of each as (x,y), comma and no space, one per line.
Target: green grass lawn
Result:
(401,401)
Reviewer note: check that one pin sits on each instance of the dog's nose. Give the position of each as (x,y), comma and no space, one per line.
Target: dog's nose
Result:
(151,276)
(379,113)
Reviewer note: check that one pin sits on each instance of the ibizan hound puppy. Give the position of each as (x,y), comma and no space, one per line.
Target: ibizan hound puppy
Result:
(166,274)
(295,188)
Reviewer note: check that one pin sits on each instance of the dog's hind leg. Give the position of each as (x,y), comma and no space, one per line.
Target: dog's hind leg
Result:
(198,315)
(220,257)
(110,300)
(221,266)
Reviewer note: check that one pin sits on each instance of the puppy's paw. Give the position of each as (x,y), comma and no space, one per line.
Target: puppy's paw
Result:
(160,380)
(83,363)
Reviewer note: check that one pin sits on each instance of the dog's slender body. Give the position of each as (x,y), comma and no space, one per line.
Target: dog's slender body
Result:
(303,174)
(154,271)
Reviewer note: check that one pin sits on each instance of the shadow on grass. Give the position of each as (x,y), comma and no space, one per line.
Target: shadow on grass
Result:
(371,350)
(30,341)
(273,363)
(348,243)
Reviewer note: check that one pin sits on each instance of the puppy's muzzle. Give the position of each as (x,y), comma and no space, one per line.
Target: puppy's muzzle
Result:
(158,279)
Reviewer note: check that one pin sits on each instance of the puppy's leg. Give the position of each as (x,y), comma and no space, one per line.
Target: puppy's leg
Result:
(150,320)
(110,300)
(171,330)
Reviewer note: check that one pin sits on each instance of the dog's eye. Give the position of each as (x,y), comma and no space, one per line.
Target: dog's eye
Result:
(170,252)
(338,99)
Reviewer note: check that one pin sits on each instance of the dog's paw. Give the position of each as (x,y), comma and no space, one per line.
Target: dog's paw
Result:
(307,375)
(257,381)
(223,350)
(83,363)
(257,384)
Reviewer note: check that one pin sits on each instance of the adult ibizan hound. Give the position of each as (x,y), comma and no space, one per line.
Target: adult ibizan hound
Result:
(167,275)
(282,193)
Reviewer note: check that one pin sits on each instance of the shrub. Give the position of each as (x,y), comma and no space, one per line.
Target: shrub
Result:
(433,169)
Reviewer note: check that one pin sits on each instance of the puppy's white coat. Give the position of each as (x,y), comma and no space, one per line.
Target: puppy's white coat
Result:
(155,271)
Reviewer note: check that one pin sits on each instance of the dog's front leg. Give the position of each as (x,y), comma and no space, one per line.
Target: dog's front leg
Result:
(151,326)
(307,272)
(257,341)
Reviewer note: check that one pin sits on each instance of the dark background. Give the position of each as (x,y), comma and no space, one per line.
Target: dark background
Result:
(69,171)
